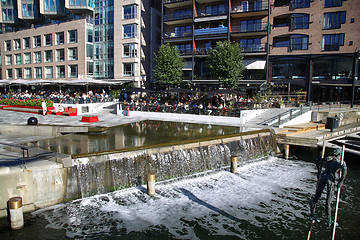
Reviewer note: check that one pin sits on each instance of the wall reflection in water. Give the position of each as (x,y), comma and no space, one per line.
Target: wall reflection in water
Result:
(144,133)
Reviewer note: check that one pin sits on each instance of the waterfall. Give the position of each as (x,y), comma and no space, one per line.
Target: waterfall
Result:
(131,169)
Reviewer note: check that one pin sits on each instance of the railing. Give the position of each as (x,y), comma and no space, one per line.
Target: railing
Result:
(174,16)
(254,48)
(175,1)
(250,7)
(202,51)
(249,28)
(286,116)
(214,12)
(177,35)
(210,31)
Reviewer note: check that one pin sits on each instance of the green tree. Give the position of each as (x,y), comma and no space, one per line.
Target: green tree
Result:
(169,64)
(225,63)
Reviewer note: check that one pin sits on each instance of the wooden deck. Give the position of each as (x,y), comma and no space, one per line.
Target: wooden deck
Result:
(312,134)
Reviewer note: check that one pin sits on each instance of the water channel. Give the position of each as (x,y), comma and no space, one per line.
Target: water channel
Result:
(267,199)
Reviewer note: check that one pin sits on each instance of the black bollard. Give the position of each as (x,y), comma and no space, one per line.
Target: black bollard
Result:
(32,121)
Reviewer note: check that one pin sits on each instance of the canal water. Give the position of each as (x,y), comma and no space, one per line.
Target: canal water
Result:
(267,199)
(137,134)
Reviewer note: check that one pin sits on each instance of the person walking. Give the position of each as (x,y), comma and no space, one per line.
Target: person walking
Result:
(333,165)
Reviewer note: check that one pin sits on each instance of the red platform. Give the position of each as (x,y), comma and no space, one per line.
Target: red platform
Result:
(89,119)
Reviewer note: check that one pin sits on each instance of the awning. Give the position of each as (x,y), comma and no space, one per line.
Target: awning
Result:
(188,66)
(254,63)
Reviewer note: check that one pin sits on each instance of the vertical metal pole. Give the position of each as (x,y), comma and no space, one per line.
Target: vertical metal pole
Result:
(355,73)
(268,46)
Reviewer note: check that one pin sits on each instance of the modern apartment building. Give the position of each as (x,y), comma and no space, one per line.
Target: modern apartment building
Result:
(314,46)
(311,45)
(194,26)
(79,39)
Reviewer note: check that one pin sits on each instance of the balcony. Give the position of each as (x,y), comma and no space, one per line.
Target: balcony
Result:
(254,48)
(202,51)
(177,36)
(211,31)
(246,9)
(249,30)
(172,19)
(177,3)
(79,6)
(213,14)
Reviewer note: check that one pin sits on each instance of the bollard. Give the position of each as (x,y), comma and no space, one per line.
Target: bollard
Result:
(127,111)
(151,184)
(233,167)
(16,213)
(287,151)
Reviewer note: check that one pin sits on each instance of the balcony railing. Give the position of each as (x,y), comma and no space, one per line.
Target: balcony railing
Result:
(249,28)
(215,12)
(202,51)
(254,48)
(210,31)
(184,52)
(177,35)
(250,7)
(172,17)
(175,1)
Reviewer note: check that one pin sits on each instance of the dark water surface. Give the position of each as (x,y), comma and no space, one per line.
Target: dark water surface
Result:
(138,134)
(267,199)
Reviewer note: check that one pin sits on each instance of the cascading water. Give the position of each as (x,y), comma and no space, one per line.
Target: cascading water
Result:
(131,170)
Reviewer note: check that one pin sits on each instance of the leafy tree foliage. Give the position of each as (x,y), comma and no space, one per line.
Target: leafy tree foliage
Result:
(225,63)
(169,64)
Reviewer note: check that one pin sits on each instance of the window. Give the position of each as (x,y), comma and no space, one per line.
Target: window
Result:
(129,69)
(18,73)
(60,71)
(48,56)
(332,42)
(9,73)
(130,50)
(281,42)
(60,55)
(38,72)
(27,58)
(334,20)
(300,3)
(299,42)
(89,52)
(73,71)
(37,41)
(60,38)
(8,60)
(251,45)
(72,54)
(48,72)
(8,14)
(27,43)
(27,72)
(18,59)
(182,31)
(17,44)
(333,3)
(37,57)
(72,36)
(48,39)
(28,10)
(182,13)
(185,48)
(250,25)
(8,45)
(299,21)
(130,30)
(130,11)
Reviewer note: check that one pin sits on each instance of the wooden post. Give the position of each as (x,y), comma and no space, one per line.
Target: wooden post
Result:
(287,151)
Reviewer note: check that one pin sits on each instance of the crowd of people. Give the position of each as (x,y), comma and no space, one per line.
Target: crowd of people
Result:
(67,97)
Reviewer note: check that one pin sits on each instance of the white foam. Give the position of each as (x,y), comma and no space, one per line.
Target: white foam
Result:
(260,190)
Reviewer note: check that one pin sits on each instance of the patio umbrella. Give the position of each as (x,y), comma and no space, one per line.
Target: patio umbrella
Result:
(137,90)
(180,90)
(225,91)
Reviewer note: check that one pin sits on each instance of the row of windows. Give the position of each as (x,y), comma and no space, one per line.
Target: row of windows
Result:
(330,42)
(38,57)
(38,41)
(306,3)
(39,72)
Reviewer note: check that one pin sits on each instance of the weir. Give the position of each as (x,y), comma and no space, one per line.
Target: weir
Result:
(102,172)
